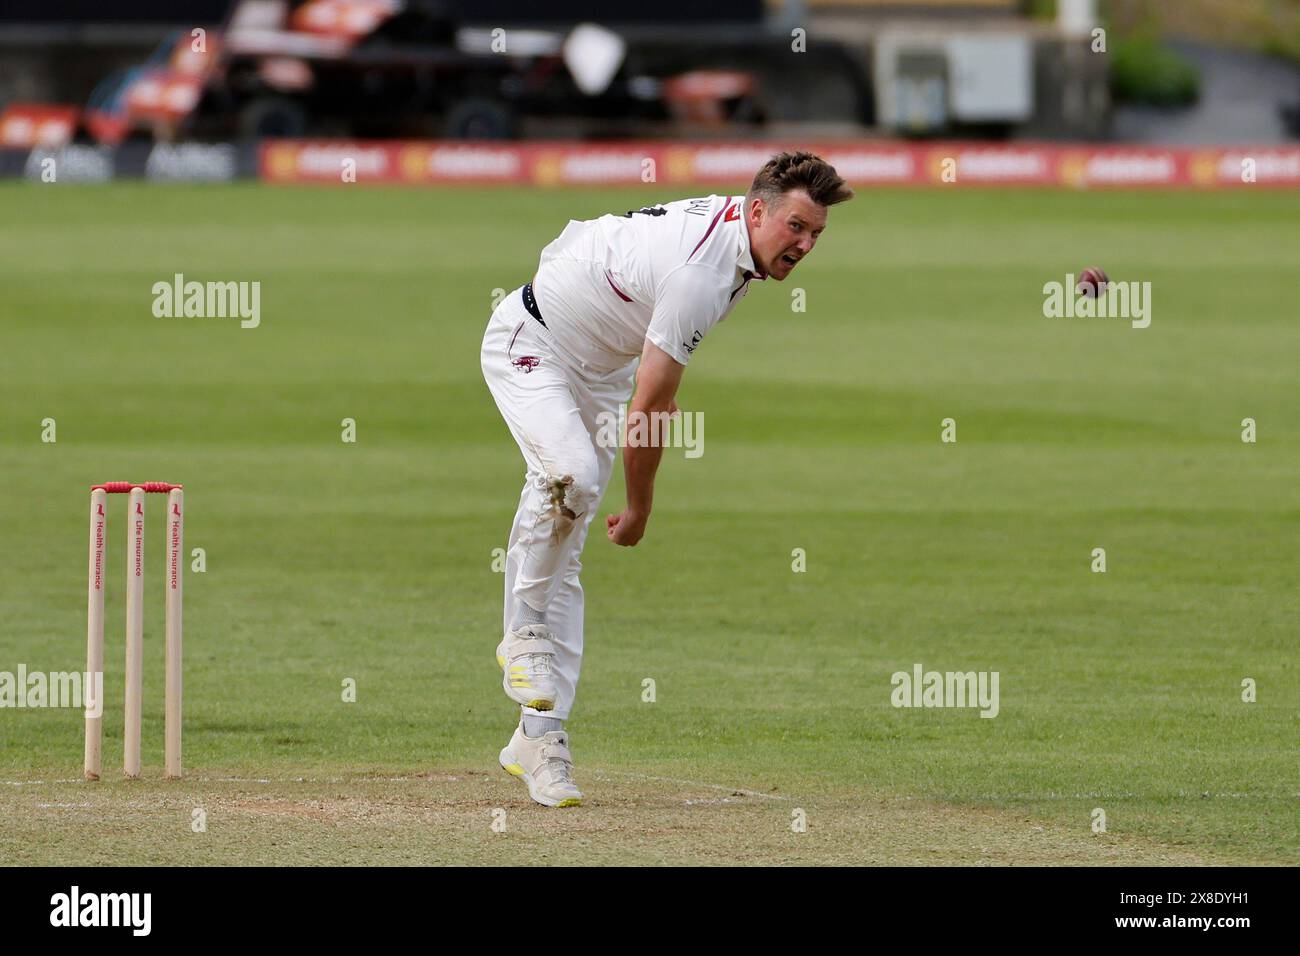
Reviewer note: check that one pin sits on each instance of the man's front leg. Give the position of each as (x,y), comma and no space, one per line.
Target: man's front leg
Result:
(555,509)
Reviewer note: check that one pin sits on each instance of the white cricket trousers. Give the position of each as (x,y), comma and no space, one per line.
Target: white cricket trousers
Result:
(555,410)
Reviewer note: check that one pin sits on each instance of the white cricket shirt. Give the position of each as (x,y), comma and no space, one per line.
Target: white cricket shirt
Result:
(666,273)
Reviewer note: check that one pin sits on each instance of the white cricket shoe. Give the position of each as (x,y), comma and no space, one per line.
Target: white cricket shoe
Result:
(545,765)
(524,656)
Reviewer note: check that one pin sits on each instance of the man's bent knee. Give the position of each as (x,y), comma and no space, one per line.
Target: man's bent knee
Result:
(570,496)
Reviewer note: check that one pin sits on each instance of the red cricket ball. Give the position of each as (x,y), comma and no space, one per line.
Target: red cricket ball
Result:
(1092,282)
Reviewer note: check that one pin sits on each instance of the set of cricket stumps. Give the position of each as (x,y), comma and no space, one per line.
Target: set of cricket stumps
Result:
(134,622)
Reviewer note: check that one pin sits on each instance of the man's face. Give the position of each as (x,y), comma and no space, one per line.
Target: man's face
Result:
(781,235)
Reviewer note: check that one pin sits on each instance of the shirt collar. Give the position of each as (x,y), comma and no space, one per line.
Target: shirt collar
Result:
(745,256)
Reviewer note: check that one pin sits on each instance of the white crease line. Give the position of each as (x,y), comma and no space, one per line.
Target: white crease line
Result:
(38,783)
(696,803)
(1029,797)
(1182,794)
(693,783)
(420,779)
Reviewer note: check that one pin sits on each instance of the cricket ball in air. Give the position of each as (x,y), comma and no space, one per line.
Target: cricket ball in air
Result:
(1092,282)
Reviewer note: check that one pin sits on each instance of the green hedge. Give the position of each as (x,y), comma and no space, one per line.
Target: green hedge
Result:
(1144,71)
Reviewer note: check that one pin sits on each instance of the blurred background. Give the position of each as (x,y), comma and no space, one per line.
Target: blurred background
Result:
(234,71)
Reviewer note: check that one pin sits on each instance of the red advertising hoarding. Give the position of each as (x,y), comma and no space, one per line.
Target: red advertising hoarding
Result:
(863,164)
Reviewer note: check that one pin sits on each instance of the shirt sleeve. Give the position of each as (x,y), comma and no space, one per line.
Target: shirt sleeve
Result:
(691,300)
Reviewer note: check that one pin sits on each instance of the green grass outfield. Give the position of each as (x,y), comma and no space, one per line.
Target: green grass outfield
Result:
(372,560)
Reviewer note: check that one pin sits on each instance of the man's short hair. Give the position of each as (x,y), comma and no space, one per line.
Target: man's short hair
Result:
(799,170)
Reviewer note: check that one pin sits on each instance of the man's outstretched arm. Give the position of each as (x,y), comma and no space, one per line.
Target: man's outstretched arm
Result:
(657,380)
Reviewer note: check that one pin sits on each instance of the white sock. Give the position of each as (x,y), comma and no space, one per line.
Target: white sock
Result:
(536,726)
(525,615)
